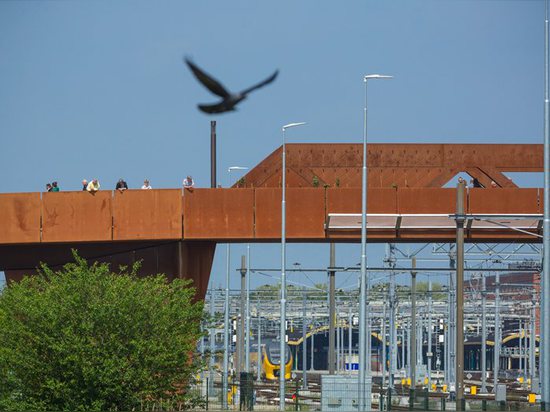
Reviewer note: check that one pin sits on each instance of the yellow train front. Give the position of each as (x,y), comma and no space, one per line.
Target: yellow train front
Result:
(271,355)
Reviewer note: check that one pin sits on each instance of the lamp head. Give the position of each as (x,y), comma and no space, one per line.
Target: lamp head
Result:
(229,169)
(377,76)
(287,126)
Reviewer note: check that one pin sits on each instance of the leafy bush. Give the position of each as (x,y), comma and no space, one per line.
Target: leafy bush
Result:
(85,338)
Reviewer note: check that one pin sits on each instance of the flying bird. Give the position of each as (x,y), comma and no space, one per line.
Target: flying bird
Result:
(229,100)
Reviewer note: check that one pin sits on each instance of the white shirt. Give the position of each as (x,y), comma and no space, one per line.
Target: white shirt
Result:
(146,187)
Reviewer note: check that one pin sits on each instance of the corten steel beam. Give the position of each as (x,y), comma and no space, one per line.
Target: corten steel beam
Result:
(242,215)
(401,165)
(176,259)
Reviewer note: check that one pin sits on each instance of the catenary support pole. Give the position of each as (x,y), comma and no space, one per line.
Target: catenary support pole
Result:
(413,357)
(483,334)
(496,361)
(304,339)
(532,341)
(225,376)
(429,352)
(332,310)
(242,319)
(259,355)
(459,368)
(393,327)
(247,326)
(212,341)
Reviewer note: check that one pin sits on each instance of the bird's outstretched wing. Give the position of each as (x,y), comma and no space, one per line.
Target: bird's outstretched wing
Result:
(208,81)
(261,84)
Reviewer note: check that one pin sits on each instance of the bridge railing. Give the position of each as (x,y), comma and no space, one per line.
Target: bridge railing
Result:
(227,214)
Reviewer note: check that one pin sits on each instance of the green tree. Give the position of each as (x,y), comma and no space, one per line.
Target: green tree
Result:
(85,338)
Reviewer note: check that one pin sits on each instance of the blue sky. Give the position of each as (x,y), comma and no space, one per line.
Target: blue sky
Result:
(98,89)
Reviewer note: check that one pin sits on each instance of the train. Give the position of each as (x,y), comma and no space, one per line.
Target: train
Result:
(271,355)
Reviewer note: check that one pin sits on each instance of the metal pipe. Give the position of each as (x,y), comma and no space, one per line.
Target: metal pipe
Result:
(213,182)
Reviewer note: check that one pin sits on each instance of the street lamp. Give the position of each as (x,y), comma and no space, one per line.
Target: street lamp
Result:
(226,310)
(545,292)
(282,350)
(364,327)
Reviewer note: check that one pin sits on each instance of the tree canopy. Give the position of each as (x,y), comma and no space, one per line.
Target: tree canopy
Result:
(87,338)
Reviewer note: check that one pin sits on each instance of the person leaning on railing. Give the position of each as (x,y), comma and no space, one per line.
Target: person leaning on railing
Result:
(93,186)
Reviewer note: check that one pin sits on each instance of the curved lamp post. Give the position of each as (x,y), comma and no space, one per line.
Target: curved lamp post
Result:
(364,327)
(283,275)
(225,377)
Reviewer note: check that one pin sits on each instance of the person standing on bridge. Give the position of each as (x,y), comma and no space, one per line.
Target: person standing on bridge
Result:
(146,185)
(84,184)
